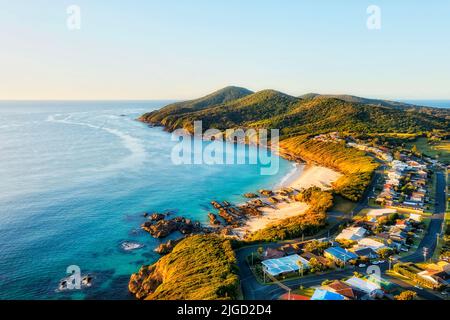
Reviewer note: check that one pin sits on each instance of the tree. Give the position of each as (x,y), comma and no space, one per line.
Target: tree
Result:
(406,295)
(316,265)
(316,246)
(385,253)
(260,251)
(301,266)
(416,151)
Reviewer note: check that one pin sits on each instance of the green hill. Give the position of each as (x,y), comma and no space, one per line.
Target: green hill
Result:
(311,114)
(440,112)
(221,96)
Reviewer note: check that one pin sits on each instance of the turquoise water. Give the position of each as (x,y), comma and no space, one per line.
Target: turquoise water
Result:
(75,179)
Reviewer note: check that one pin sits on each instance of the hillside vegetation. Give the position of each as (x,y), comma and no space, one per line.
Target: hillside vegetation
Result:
(356,166)
(237,107)
(201,267)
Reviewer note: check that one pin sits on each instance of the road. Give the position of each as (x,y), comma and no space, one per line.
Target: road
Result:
(253,290)
(430,239)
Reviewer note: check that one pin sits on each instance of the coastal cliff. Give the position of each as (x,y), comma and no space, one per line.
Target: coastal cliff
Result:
(200,267)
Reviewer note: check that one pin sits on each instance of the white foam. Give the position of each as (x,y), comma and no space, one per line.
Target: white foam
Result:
(137,150)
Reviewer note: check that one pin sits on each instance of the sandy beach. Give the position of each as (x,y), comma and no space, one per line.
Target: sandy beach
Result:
(304,176)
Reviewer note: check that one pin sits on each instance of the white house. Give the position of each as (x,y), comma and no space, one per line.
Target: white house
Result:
(372,244)
(352,233)
(362,285)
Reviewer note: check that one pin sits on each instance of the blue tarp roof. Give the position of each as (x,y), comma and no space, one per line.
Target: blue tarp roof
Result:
(320,294)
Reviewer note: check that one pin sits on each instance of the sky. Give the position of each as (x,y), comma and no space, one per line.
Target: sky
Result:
(179,49)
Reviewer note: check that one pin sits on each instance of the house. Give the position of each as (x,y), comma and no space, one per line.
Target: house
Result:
(403,225)
(283,265)
(386,285)
(352,233)
(308,256)
(321,294)
(362,285)
(339,254)
(415,217)
(377,213)
(365,252)
(397,234)
(371,243)
(293,296)
(290,249)
(343,289)
(271,253)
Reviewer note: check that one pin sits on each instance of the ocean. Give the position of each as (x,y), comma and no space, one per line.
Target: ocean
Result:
(75,180)
(430,103)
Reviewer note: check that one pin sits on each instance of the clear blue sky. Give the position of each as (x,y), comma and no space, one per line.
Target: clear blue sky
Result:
(176,49)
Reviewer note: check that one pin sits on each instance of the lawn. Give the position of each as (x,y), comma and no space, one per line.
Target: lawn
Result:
(306,292)
(440,151)
(343,205)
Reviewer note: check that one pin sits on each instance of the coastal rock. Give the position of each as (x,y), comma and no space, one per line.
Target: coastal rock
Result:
(160,229)
(273,200)
(266,193)
(227,231)
(251,195)
(165,248)
(69,282)
(213,219)
(216,205)
(157,217)
(163,228)
(143,283)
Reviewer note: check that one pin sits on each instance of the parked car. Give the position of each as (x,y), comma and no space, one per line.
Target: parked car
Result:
(418,287)
(404,249)
(362,265)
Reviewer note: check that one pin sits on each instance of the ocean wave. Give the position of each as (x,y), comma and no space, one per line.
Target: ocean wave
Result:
(137,150)
(290,175)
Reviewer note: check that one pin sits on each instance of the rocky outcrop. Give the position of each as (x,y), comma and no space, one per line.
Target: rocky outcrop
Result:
(161,228)
(251,195)
(200,267)
(157,217)
(266,193)
(143,283)
(165,248)
(213,219)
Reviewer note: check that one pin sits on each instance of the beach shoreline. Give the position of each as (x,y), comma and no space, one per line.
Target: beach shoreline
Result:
(303,176)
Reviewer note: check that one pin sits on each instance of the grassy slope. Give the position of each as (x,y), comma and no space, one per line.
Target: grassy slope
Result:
(201,267)
(355,165)
(440,150)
